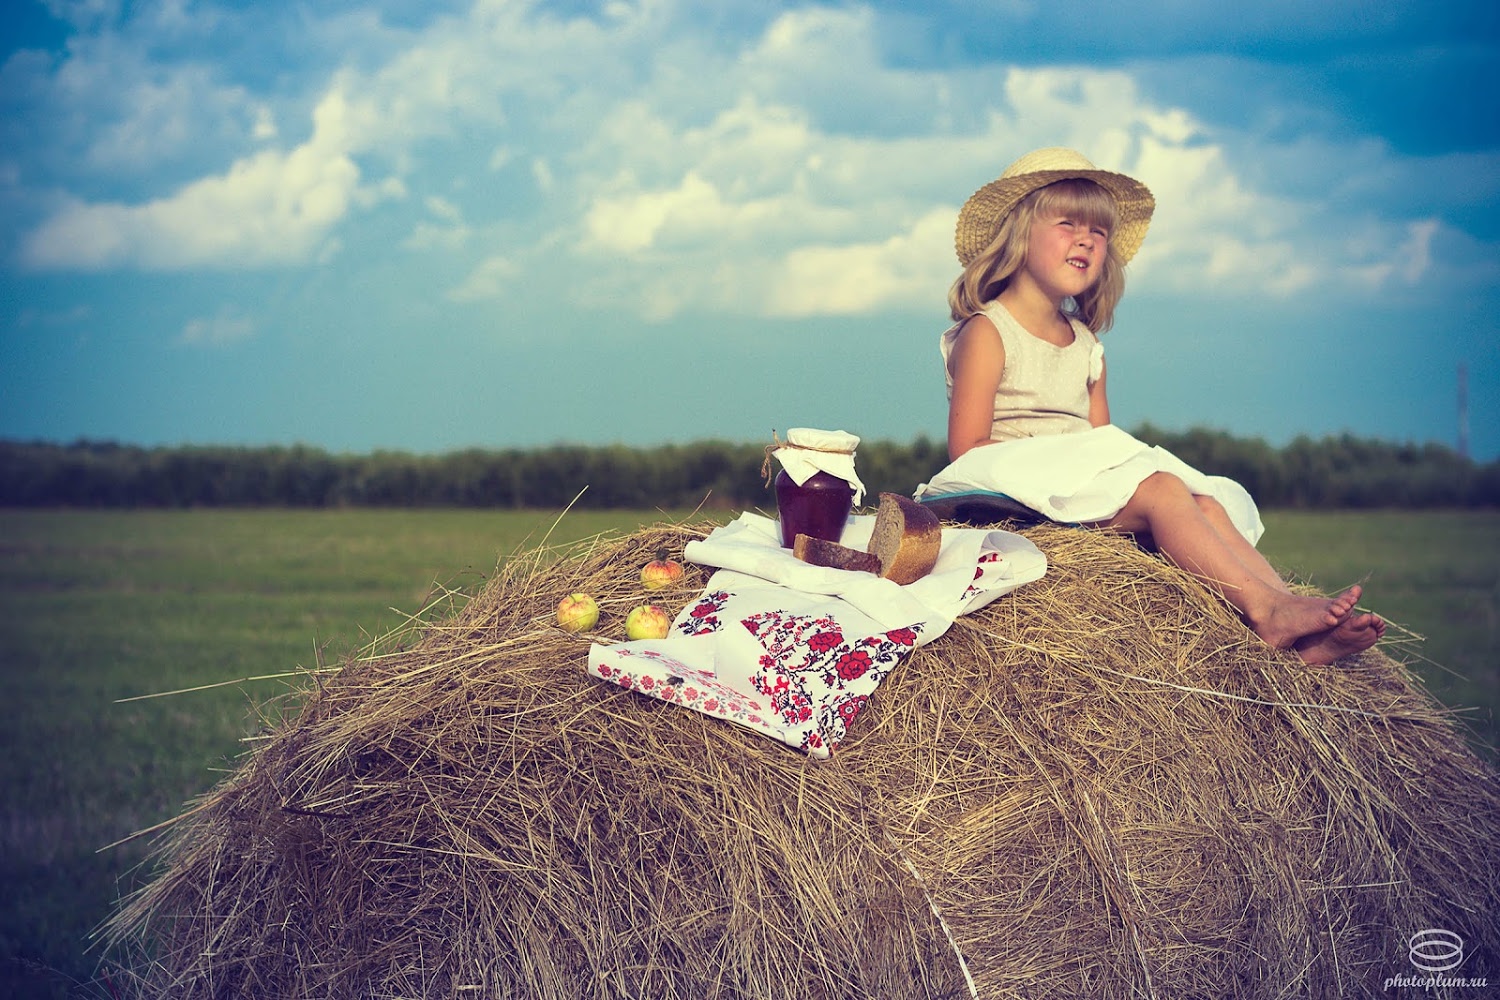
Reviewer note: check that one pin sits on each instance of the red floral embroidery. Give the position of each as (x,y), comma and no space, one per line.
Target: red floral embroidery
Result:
(849,708)
(822,642)
(704,616)
(810,666)
(903,636)
(974,588)
(853,665)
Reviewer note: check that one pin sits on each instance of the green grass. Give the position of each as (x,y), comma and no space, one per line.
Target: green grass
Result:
(101,606)
(1436,573)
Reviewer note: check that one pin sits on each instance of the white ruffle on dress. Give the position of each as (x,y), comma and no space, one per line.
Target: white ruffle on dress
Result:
(1048,456)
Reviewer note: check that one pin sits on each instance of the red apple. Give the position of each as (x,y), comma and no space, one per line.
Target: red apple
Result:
(578,613)
(647,622)
(661,572)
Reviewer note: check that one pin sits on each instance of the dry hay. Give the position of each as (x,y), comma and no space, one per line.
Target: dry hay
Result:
(1102,782)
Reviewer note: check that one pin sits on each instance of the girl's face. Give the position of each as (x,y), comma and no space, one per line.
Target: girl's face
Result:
(1066,252)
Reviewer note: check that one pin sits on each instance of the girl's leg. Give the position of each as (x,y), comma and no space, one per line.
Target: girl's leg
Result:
(1251,557)
(1354,633)
(1163,507)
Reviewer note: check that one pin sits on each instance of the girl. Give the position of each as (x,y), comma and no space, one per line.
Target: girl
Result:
(1044,250)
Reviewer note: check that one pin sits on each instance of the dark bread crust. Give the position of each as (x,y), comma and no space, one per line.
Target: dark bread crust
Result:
(820,552)
(906,538)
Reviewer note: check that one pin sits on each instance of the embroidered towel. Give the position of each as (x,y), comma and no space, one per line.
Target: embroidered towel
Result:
(794,651)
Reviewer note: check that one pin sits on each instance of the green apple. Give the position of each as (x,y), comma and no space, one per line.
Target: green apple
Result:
(578,612)
(647,622)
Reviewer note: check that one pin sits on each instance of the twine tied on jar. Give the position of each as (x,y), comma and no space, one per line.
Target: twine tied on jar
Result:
(808,451)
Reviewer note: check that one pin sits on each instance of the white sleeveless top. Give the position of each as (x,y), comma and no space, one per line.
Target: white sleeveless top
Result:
(1044,389)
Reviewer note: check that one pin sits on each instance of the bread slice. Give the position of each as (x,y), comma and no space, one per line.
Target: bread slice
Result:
(906,539)
(820,552)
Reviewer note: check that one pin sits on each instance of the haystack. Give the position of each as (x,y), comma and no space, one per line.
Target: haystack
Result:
(1101,785)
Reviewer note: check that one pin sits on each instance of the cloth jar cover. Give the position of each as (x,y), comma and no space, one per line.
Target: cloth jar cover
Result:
(793,650)
(809,451)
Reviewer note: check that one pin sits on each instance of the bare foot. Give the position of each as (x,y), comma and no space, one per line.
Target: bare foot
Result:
(1352,635)
(1291,617)
(1345,602)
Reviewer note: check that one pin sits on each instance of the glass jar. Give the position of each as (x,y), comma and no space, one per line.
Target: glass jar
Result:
(819,507)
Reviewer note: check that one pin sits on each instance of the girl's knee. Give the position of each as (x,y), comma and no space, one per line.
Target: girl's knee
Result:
(1160,494)
(1161,486)
(1208,504)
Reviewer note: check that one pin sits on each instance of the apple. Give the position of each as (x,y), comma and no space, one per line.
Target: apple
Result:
(578,612)
(647,622)
(661,572)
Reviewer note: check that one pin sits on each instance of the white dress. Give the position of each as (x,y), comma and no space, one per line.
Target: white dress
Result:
(1048,456)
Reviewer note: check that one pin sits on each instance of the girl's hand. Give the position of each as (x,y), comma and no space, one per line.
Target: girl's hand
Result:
(976,363)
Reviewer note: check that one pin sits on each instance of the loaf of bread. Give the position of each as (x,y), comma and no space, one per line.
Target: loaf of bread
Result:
(821,552)
(903,547)
(906,539)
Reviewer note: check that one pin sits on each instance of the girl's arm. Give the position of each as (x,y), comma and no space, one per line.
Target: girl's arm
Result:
(1099,400)
(976,362)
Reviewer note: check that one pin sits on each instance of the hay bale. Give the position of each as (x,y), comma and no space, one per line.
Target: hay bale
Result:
(1102,782)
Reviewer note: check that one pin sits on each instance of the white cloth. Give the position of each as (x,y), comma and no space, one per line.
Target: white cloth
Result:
(821,451)
(793,650)
(1083,478)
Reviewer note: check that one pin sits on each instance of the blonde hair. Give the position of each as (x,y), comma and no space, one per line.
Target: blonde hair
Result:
(990,272)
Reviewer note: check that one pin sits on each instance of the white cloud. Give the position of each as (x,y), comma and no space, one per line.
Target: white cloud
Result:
(792,173)
(909,268)
(541,172)
(1213,235)
(688,216)
(819,222)
(491,279)
(263,128)
(270,208)
(83,14)
(224,327)
(449,232)
(1408,262)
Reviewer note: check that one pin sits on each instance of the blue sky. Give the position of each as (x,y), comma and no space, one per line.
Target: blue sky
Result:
(432,225)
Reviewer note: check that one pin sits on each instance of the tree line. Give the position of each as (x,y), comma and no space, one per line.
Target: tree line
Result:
(1332,472)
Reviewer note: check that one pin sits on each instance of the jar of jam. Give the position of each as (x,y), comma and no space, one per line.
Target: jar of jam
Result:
(819,507)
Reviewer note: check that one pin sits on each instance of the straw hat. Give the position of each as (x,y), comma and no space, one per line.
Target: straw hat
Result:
(982,214)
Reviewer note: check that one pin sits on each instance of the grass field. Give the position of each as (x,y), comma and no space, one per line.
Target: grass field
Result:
(104,606)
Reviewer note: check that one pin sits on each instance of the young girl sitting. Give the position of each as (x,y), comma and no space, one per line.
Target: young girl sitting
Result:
(1044,250)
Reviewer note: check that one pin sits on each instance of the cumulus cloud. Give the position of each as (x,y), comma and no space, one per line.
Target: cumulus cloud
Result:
(910,268)
(795,171)
(271,208)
